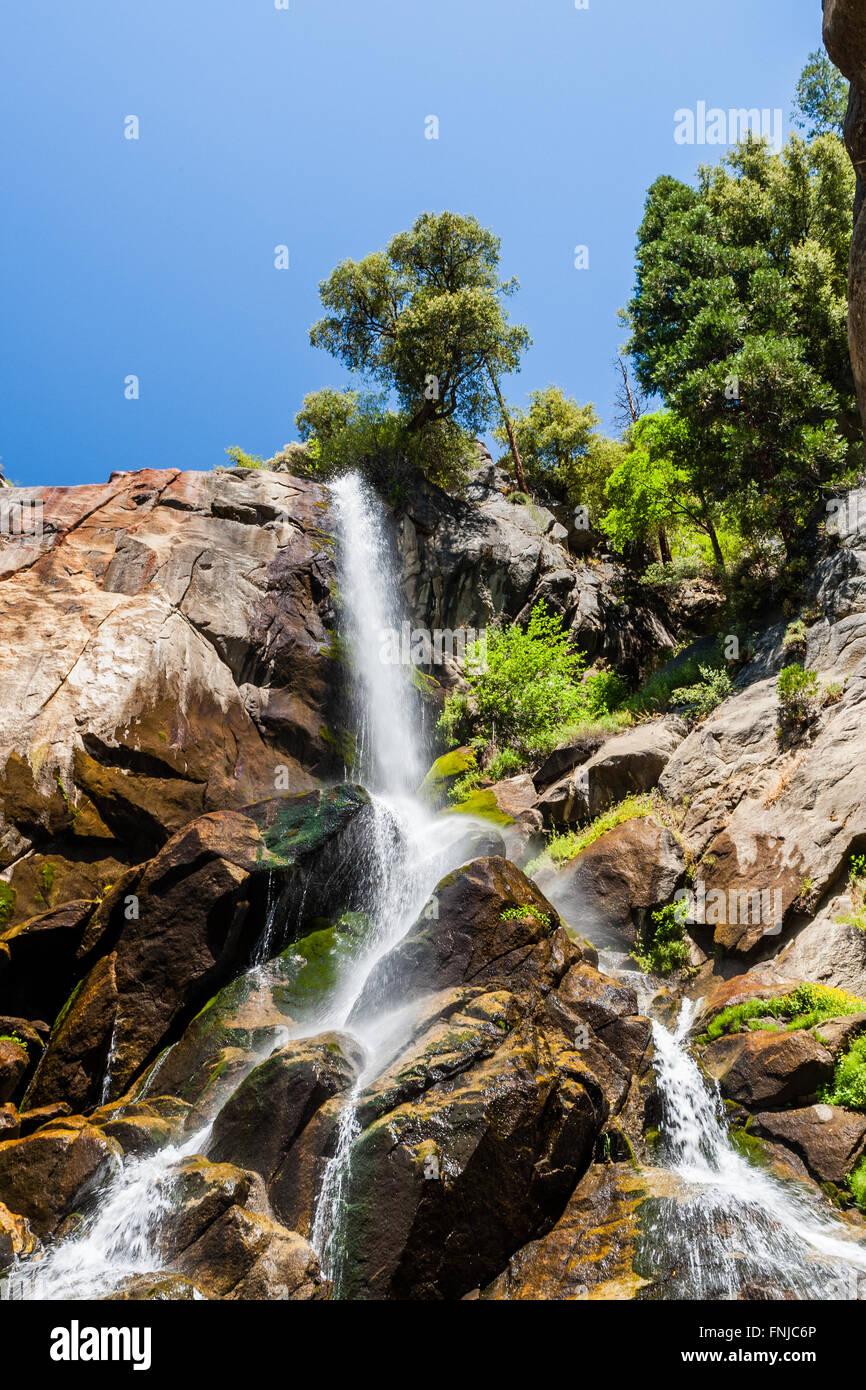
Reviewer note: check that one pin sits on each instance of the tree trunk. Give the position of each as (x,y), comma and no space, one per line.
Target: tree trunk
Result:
(515,454)
(664,547)
(714,542)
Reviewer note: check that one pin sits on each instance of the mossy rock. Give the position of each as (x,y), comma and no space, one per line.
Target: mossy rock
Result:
(483,804)
(444,773)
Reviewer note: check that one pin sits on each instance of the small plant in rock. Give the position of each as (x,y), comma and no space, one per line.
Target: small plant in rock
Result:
(797,688)
(848,1086)
(525,913)
(700,700)
(794,640)
(666,949)
(506,763)
(857,889)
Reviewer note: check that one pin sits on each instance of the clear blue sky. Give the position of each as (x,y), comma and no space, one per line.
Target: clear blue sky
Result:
(305,127)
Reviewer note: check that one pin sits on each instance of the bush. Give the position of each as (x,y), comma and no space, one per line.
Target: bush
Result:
(240,459)
(797,689)
(528,685)
(506,764)
(667,950)
(857,1184)
(848,1086)
(563,848)
(805,1007)
(701,699)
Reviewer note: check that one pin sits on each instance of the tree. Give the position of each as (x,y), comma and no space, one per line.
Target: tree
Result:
(345,430)
(565,458)
(425,318)
(663,479)
(821,98)
(739,322)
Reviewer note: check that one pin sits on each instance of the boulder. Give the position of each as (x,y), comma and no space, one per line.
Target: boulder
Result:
(14,1062)
(157,1288)
(261,1121)
(829,951)
(629,763)
(200,1192)
(610,890)
(45,1176)
(246,1255)
(41,958)
(444,772)
(72,1066)
(16,1238)
(829,1140)
(479,927)
(10,1127)
(767,1068)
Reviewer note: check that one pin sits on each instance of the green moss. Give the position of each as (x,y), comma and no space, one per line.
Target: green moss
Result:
(8,899)
(46,882)
(304,822)
(483,803)
(749,1147)
(444,772)
(341,742)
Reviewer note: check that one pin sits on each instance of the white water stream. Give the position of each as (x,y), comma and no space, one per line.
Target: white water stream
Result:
(730,1230)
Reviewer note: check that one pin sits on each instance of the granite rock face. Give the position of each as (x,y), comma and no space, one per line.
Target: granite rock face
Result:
(164,651)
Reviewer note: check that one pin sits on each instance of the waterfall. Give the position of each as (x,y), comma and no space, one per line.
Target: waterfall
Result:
(734,1228)
(408,850)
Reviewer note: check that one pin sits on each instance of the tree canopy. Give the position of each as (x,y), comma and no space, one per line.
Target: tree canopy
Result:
(821,98)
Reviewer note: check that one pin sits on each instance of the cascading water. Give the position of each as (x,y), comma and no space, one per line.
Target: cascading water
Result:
(408,851)
(733,1230)
(722,1229)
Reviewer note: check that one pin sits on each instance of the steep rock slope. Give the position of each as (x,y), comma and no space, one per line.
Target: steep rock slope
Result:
(165,649)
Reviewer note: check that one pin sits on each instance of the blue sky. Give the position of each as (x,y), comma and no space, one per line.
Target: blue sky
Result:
(305,127)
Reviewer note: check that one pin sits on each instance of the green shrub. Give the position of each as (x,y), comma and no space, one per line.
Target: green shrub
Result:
(506,764)
(529,684)
(848,1086)
(797,688)
(807,1006)
(795,635)
(857,1184)
(240,459)
(701,699)
(666,950)
(655,694)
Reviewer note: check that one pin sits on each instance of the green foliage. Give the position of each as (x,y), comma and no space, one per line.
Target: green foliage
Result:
(857,885)
(848,1086)
(507,763)
(563,848)
(564,457)
(805,1007)
(240,459)
(661,481)
(666,950)
(797,688)
(657,692)
(8,899)
(701,699)
(352,430)
(524,913)
(821,98)
(739,323)
(857,1184)
(430,306)
(530,683)
(795,636)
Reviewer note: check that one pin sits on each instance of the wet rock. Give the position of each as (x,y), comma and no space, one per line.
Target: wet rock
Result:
(444,1188)
(9,1123)
(199,1192)
(35,979)
(763,1068)
(829,1140)
(44,1176)
(444,772)
(156,1288)
(14,1062)
(16,1238)
(480,926)
(589,1253)
(610,890)
(72,1065)
(31,1120)
(259,1124)
(245,1255)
